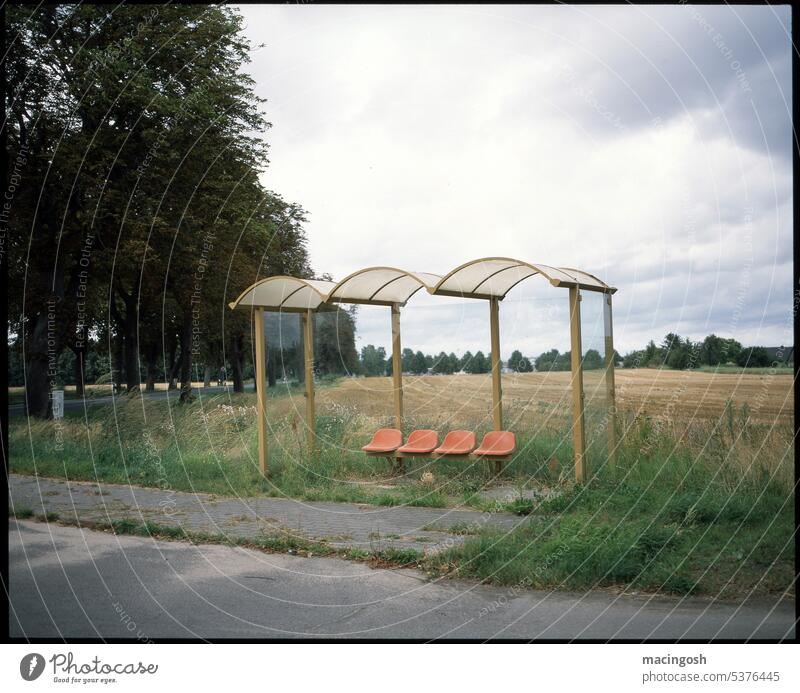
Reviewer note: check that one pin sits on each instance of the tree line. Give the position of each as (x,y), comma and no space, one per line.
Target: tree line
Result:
(136,212)
(681,353)
(674,352)
(374,361)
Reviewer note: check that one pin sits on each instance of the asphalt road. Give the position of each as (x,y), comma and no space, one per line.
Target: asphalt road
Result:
(78,404)
(66,582)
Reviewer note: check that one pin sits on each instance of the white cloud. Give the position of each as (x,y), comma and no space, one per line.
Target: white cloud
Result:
(615,139)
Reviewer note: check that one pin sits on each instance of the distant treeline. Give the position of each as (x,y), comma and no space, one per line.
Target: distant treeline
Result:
(674,352)
(681,353)
(374,361)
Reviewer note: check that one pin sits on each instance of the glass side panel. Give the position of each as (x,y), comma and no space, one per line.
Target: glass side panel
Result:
(594,383)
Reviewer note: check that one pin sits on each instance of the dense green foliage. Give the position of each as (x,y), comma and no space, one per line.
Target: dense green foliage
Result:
(554,361)
(681,353)
(136,144)
(519,363)
(374,361)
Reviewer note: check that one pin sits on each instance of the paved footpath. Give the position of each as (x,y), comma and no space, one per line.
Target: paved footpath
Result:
(338,524)
(68,582)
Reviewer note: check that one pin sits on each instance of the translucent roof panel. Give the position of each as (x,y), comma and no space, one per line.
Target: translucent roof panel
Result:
(586,280)
(484,278)
(381,285)
(285,293)
(496,276)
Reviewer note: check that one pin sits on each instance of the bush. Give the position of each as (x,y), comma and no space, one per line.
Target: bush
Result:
(753,357)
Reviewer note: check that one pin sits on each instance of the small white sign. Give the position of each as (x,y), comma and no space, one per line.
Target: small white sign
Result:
(58,404)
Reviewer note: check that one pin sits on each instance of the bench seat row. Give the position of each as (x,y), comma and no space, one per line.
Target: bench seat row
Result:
(388,442)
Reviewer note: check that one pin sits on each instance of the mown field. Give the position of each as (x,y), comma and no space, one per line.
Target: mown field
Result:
(700,500)
(688,394)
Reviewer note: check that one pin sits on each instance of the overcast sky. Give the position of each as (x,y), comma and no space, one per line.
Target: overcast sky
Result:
(650,146)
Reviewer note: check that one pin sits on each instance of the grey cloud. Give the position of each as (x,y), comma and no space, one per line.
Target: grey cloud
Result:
(426,136)
(665,62)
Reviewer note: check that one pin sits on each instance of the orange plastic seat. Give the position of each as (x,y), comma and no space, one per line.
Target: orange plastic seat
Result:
(497,444)
(420,442)
(457,443)
(385,440)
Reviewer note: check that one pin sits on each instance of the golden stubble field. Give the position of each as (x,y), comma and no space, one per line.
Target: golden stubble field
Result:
(678,395)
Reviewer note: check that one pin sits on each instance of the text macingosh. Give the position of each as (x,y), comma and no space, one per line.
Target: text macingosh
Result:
(674,659)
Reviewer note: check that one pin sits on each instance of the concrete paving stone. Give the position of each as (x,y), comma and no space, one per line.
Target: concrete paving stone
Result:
(342,525)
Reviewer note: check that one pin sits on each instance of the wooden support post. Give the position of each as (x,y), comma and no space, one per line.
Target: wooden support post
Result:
(578,433)
(261,389)
(397,379)
(308,353)
(611,395)
(497,390)
(397,368)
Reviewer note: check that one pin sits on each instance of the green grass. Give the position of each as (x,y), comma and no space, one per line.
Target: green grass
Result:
(661,528)
(211,446)
(700,509)
(738,370)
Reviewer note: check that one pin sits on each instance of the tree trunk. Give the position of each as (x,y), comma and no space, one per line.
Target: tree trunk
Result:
(37,386)
(299,359)
(237,361)
(79,349)
(80,362)
(172,369)
(116,369)
(186,360)
(151,363)
(133,376)
(272,369)
(207,376)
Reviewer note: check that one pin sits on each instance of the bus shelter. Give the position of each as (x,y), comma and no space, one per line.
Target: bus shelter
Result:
(488,279)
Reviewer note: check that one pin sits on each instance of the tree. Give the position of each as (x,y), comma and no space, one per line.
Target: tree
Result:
(334,343)
(144,131)
(407,359)
(679,353)
(592,360)
(519,363)
(553,361)
(712,351)
(478,364)
(373,360)
(525,366)
(731,350)
(445,364)
(653,356)
(514,360)
(454,366)
(753,357)
(420,365)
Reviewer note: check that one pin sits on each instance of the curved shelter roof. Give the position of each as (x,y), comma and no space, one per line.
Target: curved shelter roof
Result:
(381,286)
(285,293)
(494,277)
(491,277)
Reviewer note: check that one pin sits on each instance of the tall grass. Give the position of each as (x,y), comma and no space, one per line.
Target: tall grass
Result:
(211,445)
(701,507)
(686,506)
